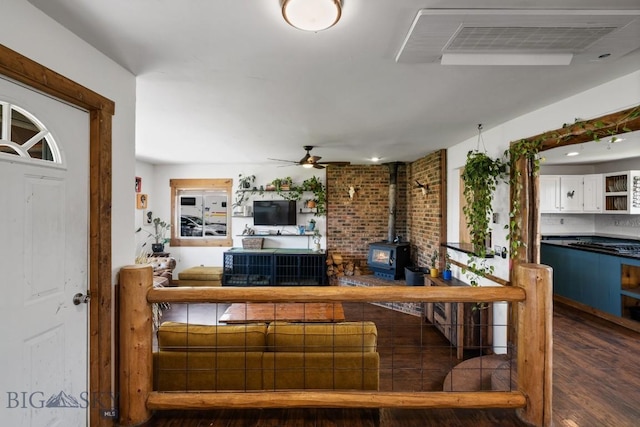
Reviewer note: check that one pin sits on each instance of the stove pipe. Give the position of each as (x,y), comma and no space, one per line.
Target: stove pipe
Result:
(393,191)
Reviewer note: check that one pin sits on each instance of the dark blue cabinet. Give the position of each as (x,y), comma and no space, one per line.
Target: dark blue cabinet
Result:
(590,278)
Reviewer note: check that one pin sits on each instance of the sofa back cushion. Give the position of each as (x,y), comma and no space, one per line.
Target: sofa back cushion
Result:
(176,336)
(322,337)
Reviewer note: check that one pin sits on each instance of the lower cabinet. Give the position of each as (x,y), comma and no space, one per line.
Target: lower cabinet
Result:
(465,325)
(590,278)
(274,267)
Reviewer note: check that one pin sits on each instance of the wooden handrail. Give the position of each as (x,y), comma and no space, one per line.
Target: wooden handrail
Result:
(488,276)
(337,399)
(337,293)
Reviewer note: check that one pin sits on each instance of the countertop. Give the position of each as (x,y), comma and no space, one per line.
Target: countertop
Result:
(565,240)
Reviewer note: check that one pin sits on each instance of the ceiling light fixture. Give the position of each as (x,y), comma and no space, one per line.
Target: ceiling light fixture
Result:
(312,15)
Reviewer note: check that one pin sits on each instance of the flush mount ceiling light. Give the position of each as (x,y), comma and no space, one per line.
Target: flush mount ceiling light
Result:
(312,15)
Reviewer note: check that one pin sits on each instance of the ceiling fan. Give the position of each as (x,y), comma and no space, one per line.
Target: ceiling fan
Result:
(309,161)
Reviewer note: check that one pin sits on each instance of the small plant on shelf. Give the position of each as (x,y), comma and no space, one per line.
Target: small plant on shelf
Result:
(446,274)
(319,191)
(434,264)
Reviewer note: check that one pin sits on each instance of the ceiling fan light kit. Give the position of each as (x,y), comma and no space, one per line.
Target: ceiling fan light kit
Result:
(312,15)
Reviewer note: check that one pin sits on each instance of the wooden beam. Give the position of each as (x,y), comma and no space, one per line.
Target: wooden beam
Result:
(488,276)
(335,399)
(136,346)
(26,71)
(336,294)
(585,131)
(535,342)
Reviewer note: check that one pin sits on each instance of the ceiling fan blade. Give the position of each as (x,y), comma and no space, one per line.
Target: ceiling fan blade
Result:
(334,163)
(318,166)
(280,160)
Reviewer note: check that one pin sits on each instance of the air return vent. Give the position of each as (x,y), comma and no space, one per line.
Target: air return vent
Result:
(577,36)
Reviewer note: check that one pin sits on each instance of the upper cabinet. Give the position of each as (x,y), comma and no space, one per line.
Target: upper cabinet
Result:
(549,193)
(622,192)
(615,192)
(592,190)
(561,194)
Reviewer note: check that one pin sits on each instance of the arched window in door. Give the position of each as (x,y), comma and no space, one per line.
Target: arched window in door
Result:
(23,135)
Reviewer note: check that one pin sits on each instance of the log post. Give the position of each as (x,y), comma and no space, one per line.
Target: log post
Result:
(136,371)
(535,342)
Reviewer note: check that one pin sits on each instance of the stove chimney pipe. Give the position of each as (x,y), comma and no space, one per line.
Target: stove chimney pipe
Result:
(393,191)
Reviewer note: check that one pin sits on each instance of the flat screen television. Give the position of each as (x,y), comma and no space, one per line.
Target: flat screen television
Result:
(274,212)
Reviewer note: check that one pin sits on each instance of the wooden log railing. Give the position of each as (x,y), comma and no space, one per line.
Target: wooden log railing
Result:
(531,292)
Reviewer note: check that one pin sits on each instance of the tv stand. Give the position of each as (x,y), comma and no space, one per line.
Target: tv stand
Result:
(274,267)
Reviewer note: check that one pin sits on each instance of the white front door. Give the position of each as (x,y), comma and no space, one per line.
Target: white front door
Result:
(43,264)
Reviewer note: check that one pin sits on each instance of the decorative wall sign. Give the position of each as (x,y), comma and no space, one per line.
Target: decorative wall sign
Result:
(138,184)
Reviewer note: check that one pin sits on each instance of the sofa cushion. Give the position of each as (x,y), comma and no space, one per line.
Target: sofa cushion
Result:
(201,273)
(176,336)
(198,370)
(333,371)
(322,337)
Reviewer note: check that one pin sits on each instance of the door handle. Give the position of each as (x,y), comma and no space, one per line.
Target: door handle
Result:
(81,299)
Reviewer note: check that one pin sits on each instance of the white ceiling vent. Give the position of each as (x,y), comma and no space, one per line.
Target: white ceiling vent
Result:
(520,37)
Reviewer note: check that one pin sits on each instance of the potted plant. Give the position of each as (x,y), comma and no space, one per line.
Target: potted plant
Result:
(434,264)
(315,186)
(446,274)
(159,230)
(481,175)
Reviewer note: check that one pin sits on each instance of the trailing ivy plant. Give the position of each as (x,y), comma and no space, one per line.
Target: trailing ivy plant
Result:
(530,151)
(477,268)
(481,175)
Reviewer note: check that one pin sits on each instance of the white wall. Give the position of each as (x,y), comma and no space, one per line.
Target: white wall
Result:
(155,183)
(29,32)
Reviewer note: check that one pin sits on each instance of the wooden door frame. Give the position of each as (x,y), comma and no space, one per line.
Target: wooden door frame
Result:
(101,110)
(623,121)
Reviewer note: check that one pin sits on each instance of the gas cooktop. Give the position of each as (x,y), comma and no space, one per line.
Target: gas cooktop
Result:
(627,248)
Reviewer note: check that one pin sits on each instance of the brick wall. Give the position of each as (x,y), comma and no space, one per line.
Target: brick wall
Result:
(354,223)
(424,212)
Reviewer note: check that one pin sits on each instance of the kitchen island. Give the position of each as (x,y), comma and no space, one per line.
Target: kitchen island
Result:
(598,274)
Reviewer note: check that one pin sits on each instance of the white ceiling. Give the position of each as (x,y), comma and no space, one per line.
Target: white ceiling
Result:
(228,81)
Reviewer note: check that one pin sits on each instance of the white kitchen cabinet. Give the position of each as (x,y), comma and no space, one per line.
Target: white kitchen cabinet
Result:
(549,193)
(561,194)
(622,192)
(571,194)
(593,195)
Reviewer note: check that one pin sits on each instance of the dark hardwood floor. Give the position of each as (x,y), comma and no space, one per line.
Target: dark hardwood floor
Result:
(596,378)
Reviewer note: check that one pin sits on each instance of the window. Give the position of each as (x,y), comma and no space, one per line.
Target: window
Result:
(201,214)
(22,135)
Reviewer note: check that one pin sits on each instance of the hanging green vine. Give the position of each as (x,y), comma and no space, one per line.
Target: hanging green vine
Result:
(528,150)
(481,175)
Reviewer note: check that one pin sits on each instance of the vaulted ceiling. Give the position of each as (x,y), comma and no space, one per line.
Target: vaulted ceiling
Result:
(229,81)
